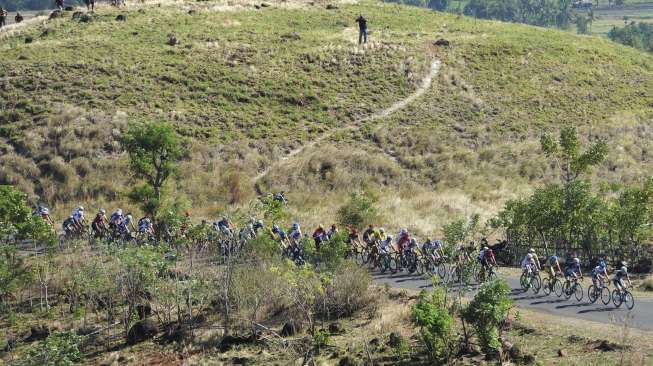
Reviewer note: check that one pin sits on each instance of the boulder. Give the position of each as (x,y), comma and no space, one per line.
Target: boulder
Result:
(77,15)
(240,361)
(332,7)
(55,14)
(293,36)
(265,5)
(121,18)
(291,328)
(9,344)
(172,40)
(69,8)
(29,39)
(85,18)
(38,333)
(192,12)
(144,311)
(229,341)
(562,353)
(442,42)
(346,361)
(175,333)
(142,331)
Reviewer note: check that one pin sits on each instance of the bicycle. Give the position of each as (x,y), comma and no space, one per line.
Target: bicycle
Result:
(548,287)
(575,289)
(387,262)
(487,274)
(603,292)
(531,281)
(623,296)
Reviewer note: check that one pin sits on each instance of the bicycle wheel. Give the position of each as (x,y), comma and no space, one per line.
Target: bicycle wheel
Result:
(592,294)
(536,283)
(629,300)
(523,282)
(605,296)
(492,275)
(566,291)
(420,267)
(546,286)
(442,271)
(394,265)
(384,264)
(557,287)
(616,298)
(578,292)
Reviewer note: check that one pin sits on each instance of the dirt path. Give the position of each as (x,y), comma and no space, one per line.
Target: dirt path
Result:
(424,86)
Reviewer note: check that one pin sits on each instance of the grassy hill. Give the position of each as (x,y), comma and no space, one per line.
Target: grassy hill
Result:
(249,85)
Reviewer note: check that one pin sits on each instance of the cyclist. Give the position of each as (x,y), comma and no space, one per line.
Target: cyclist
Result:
(573,271)
(486,258)
(379,235)
(319,236)
(528,264)
(368,233)
(280,197)
(281,235)
(295,233)
(552,264)
(619,276)
(45,215)
(224,226)
(78,216)
(247,233)
(333,231)
(384,245)
(536,259)
(100,224)
(258,225)
(68,226)
(403,240)
(599,274)
(115,220)
(145,226)
(127,225)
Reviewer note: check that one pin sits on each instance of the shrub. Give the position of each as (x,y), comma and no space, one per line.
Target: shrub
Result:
(359,210)
(346,291)
(59,349)
(487,311)
(431,315)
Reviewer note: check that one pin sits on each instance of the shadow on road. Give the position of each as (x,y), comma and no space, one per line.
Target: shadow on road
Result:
(599,310)
(556,301)
(573,305)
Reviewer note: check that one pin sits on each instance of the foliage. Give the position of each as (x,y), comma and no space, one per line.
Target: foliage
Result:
(154,153)
(460,230)
(16,219)
(541,13)
(273,210)
(59,349)
(440,5)
(436,324)
(346,291)
(13,273)
(582,24)
(331,253)
(359,210)
(638,35)
(567,155)
(487,312)
(321,338)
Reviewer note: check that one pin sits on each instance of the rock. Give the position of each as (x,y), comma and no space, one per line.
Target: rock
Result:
(375,342)
(395,339)
(559,78)
(55,14)
(121,18)
(10,344)
(69,8)
(77,15)
(29,39)
(257,6)
(346,361)
(192,12)
(142,331)
(562,353)
(38,333)
(85,18)
(172,40)
(528,359)
(332,7)
(575,339)
(293,36)
(335,328)
(442,42)
(265,5)
(607,346)
(174,333)
(515,352)
(141,10)
(290,329)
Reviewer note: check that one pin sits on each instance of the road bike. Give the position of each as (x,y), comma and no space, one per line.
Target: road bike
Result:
(531,281)
(573,287)
(623,296)
(552,286)
(599,292)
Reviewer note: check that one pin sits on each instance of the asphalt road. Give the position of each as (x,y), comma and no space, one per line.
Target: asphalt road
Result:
(642,313)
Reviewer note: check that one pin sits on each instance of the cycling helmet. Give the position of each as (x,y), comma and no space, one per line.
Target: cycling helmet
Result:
(45,211)
(295,226)
(103,211)
(485,248)
(529,256)
(403,231)
(438,242)
(624,263)
(129,217)
(554,258)
(531,250)
(576,260)
(382,230)
(389,238)
(413,241)
(275,227)
(119,211)
(320,226)
(260,222)
(80,208)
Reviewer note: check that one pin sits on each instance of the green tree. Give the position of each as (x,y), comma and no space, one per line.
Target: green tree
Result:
(154,151)
(487,312)
(582,24)
(359,210)
(59,349)
(439,5)
(435,323)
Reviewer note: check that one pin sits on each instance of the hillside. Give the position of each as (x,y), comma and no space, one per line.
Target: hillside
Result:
(249,85)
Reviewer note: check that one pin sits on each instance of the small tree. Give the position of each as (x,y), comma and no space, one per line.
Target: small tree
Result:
(154,151)
(435,322)
(359,210)
(487,312)
(59,349)
(566,152)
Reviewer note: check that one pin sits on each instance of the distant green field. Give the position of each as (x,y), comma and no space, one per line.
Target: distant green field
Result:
(608,19)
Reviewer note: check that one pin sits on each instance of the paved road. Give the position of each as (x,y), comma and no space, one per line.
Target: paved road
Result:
(642,313)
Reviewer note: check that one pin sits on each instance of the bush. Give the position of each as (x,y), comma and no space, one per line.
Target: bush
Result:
(487,312)
(358,211)
(346,291)
(59,349)
(435,322)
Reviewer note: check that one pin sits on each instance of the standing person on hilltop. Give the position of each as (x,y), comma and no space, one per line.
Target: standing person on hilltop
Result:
(3,17)
(362,29)
(59,4)
(18,18)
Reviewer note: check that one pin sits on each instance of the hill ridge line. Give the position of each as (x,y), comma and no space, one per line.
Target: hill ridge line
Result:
(426,83)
